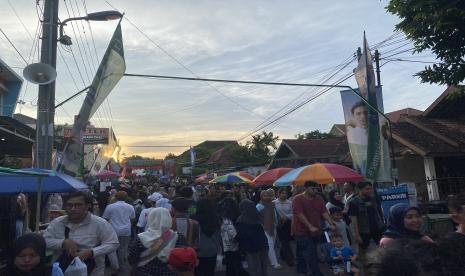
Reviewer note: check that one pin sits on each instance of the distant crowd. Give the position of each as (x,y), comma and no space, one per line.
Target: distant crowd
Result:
(153,229)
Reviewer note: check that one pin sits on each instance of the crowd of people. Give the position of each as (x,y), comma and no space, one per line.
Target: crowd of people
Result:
(150,229)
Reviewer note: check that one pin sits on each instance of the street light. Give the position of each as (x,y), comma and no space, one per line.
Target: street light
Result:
(95,16)
(46,98)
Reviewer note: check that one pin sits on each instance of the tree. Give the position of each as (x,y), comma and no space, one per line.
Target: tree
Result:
(314,134)
(437,25)
(262,145)
(170,156)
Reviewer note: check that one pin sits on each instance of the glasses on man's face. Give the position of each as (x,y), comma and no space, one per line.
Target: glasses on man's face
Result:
(78,205)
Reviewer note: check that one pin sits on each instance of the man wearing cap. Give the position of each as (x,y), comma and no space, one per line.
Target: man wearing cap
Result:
(120,214)
(307,210)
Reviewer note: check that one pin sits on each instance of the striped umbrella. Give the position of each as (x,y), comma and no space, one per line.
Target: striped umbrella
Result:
(230,178)
(321,173)
(268,177)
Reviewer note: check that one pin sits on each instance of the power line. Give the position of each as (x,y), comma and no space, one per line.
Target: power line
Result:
(400,52)
(184,66)
(409,60)
(76,37)
(14,47)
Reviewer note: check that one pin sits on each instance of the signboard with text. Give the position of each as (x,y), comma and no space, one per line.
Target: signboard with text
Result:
(391,196)
(92,135)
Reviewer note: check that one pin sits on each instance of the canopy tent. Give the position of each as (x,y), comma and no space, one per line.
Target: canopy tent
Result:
(27,180)
(37,181)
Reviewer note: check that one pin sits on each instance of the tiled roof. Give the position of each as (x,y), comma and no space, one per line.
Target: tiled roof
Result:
(318,147)
(452,129)
(449,105)
(396,115)
(420,141)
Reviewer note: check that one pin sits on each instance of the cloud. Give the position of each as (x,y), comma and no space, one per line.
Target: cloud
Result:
(275,41)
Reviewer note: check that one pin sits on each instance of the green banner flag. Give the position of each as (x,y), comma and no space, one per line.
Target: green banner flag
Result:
(110,71)
(376,165)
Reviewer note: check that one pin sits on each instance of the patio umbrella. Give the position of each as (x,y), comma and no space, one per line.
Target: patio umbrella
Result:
(268,177)
(204,178)
(230,178)
(321,173)
(245,175)
(108,174)
(37,181)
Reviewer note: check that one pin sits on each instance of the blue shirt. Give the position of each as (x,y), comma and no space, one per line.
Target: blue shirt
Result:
(346,252)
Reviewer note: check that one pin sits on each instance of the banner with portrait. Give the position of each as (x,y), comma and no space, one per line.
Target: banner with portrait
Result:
(357,124)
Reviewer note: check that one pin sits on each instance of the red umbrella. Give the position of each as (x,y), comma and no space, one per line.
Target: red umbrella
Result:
(108,174)
(269,177)
(246,175)
(204,178)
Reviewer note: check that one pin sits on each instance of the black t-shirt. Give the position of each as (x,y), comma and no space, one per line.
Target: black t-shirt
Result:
(370,207)
(452,251)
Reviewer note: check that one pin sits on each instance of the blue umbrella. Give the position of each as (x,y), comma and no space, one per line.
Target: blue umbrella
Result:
(37,181)
(27,181)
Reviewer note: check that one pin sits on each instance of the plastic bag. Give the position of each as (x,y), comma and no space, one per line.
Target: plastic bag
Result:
(76,268)
(56,270)
(219,263)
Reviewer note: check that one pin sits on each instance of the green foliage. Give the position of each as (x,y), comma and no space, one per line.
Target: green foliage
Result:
(314,134)
(170,156)
(437,25)
(261,147)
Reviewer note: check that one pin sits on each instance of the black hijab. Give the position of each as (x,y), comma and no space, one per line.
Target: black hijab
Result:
(334,201)
(396,228)
(249,213)
(37,243)
(229,209)
(207,217)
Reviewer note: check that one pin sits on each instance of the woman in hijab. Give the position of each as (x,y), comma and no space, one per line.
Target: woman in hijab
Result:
(335,200)
(164,202)
(252,239)
(149,252)
(210,238)
(404,223)
(28,258)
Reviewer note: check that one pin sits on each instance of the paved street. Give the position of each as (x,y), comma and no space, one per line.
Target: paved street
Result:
(287,271)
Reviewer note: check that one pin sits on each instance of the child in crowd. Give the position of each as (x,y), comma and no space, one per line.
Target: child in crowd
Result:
(183,261)
(341,226)
(342,257)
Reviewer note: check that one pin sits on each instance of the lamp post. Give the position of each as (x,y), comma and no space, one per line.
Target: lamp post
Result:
(46,97)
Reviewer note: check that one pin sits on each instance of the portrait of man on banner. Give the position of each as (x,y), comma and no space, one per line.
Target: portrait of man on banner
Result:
(356,116)
(357,123)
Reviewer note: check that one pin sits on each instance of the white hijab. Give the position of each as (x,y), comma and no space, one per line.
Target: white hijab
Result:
(164,202)
(158,222)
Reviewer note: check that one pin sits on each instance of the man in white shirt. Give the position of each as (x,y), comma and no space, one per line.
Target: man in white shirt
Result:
(120,214)
(88,236)
(142,221)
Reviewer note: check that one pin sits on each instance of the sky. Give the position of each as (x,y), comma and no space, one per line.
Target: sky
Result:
(293,41)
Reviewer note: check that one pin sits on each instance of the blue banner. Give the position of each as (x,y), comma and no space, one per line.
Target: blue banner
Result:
(391,196)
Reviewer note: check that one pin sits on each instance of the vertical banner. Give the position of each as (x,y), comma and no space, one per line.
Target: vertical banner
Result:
(375,166)
(357,124)
(110,71)
(192,157)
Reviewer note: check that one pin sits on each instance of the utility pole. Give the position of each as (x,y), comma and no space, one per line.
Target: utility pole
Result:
(378,72)
(46,98)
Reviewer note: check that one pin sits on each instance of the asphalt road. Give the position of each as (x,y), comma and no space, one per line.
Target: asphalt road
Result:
(287,271)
